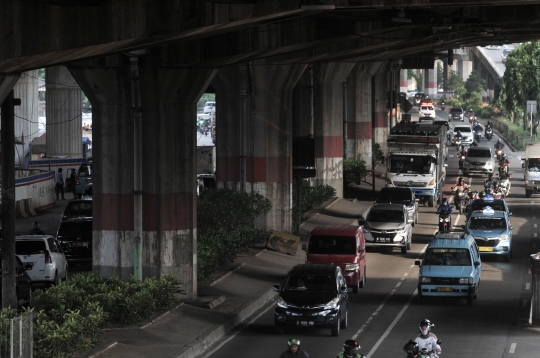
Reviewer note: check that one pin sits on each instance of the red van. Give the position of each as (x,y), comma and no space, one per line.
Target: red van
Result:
(341,245)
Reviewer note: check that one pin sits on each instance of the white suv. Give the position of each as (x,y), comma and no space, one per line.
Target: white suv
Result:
(427,111)
(43,258)
(467,134)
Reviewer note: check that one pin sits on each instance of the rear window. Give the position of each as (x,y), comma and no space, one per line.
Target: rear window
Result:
(79,206)
(462,129)
(85,170)
(30,247)
(482,205)
(82,229)
(396,195)
(479,153)
(332,245)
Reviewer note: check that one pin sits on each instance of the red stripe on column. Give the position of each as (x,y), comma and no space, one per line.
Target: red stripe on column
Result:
(329,147)
(359,130)
(379,120)
(228,169)
(168,212)
(403,83)
(256,169)
(431,84)
(113,212)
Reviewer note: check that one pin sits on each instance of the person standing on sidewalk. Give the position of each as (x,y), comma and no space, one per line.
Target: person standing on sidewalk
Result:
(59,180)
(294,350)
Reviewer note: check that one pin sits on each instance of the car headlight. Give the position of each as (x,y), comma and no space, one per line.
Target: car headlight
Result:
(465,281)
(281,303)
(401,231)
(502,237)
(425,279)
(366,231)
(332,304)
(351,267)
(489,164)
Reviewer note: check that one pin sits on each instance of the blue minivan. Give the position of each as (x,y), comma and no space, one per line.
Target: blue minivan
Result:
(451,268)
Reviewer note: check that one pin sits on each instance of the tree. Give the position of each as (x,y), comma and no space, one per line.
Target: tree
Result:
(440,75)
(455,82)
(475,84)
(419,78)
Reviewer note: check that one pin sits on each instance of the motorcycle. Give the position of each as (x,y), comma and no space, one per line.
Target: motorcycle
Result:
(461,160)
(457,142)
(504,186)
(472,118)
(444,222)
(461,199)
(489,133)
(442,107)
(500,153)
(478,136)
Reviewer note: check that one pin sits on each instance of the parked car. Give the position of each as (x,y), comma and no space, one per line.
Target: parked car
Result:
(492,232)
(43,258)
(403,196)
(75,238)
(341,245)
(456,114)
(87,194)
(84,177)
(23,283)
(78,208)
(478,160)
(451,268)
(387,225)
(312,295)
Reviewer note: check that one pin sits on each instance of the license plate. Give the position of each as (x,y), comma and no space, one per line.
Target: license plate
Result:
(445,289)
(79,244)
(304,323)
(383,239)
(485,249)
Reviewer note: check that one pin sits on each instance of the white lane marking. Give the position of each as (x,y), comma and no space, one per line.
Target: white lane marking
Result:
(98,353)
(394,322)
(528,286)
(535,225)
(534,236)
(512,348)
(457,219)
(236,333)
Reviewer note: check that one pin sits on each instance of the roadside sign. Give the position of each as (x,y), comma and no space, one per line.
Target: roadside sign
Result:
(406,106)
(531,107)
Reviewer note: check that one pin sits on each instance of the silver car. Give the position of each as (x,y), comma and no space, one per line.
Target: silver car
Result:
(387,225)
(479,160)
(43,258)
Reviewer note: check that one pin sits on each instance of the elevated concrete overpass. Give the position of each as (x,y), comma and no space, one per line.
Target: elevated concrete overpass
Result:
(280,69)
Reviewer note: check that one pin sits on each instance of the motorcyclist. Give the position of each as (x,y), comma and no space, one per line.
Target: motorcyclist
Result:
(445,208)
(350,348)
(426,339)
(411,348)
(458,135)
(490,183)
(294,350)
(36,230)
(462,152)
(504,184)
(499,144)
(504,161)
(478,131)
(460,187)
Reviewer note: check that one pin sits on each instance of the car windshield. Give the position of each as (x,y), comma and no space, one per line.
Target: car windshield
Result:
(82,229)
(311,283)
(462,129)
(30,247)
(333,245)
(447,257)
(478,153)
(79,206)
(412,164)
(533,165)
(487,223)
(394,195)
(385,216)
(456,110)
(85,170)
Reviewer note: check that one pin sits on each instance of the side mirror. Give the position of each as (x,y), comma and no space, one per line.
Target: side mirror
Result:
(344,289)
(361,248)
(476,263)
(445,165)
(417,262)
(511,227)
(275,288)
(304,247)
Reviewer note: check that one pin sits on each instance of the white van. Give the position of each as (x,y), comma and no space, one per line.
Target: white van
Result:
(208,107)
(531,169)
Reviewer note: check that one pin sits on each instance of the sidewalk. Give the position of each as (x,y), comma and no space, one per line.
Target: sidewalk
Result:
(188,330)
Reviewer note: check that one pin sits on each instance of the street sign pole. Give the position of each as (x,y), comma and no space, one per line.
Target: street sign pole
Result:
(531,108)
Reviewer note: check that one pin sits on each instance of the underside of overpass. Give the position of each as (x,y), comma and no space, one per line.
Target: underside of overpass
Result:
(280,69)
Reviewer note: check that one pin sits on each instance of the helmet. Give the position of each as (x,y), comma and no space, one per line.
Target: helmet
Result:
(411,348)
(36,225)
(490,175)
(445,201)
(425,322)
(293,342)
(461,182)
(351,344)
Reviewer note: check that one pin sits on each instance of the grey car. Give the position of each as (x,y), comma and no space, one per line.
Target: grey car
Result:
(387,225)
(403,196)
(84,178)
(479,160)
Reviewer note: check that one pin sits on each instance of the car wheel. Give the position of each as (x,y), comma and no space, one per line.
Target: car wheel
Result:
(362,283)
(55,280)
(430,201)
(527,193)
(404,249)
(335,330)
(470,299)
(507,257)
(345,321)
(355,287)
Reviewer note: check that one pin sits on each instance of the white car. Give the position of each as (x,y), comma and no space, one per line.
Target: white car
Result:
(43,258)
(493,47)
(427,111)
(467,134)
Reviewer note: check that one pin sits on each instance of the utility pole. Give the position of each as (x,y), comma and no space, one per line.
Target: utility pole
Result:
(7,136)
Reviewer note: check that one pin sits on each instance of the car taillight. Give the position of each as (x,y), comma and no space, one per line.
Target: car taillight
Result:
(48,258)
(77,182)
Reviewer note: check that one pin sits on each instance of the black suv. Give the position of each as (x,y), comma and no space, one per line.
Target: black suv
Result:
(75,238)
(79,208)
(405,196)
(313,295)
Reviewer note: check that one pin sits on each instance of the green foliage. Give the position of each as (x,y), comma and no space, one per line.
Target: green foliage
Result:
(454,102)
(41,73)
(226,227)
(310,197)
(455,82)
(376,151)
(205,98)
(419,78)
(353,168)
(69,317)
(475,85)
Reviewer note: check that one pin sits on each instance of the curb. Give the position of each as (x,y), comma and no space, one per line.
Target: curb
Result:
(214,334)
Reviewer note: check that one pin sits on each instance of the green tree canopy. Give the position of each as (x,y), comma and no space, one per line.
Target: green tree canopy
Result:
(475,84)
(455,82)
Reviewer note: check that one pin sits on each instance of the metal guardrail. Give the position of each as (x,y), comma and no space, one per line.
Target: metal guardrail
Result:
(16,337)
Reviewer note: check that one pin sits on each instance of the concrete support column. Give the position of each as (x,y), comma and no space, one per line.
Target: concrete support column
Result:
(328,115)
(303,105)
(27,122)
(64,113)
(431,82)
(403,81)
(381,114)
(169,220)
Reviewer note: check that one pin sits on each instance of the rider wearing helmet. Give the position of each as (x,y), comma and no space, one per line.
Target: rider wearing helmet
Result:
(445,207)
(463,151)
(36,230)
(411,348)
(294,350)
(458,134)
(499,144)
(350,348)
(490,183)
(427,340)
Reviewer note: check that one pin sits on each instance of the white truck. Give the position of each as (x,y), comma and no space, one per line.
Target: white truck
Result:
(531,169)
(206,167)
(416,156)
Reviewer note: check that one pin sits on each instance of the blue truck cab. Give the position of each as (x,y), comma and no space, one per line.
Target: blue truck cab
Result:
(451,268)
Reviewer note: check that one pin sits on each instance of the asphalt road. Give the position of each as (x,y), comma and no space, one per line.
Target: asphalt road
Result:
(386,313)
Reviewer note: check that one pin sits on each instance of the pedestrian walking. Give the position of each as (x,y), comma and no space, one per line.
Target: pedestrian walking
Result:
(72,182)
(59,180)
